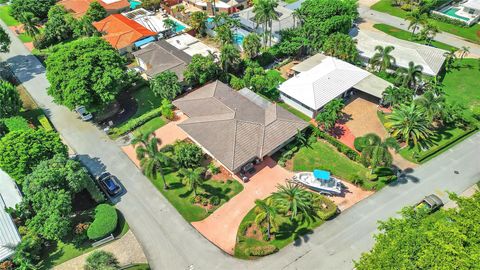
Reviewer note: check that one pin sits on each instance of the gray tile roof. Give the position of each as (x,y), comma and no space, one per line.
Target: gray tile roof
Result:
(161,56)
(236,127)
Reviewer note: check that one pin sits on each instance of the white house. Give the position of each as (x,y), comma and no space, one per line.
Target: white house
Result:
(322,78)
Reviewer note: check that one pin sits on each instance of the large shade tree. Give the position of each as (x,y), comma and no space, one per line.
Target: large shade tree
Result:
(341,46)
(409,123)
(96,12)
(39,8)
(446,239)
(22,150)
(86,72)
(165,85)
(10,103)
(59,27)
(200,70)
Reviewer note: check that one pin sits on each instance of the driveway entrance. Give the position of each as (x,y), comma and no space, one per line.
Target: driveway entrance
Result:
(221,227)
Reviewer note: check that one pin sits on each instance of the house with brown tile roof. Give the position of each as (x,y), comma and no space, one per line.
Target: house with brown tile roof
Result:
(236,127)
(121,32)
(79,7)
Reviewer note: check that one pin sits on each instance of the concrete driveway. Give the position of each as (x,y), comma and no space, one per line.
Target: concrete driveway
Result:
(167,134)
(221,226)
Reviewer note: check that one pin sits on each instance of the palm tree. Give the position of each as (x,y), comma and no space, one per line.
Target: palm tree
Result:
(464,51)
(265,14)
(30,24)
(229,57)
(416,18)
(432,103)
(267,212)
(450,58)
(192,177)
(152,160)
(251,45)
(375,151)
(383,58)
(170,25)
(220,18)
(397,95)
(409,77)
(409,123)
(429,31)
(294,199)
(224,35)
(198,22)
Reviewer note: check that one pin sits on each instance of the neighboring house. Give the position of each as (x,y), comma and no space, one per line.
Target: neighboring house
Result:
(78,8)
(9,197)
(123,33)
(161,56)
(155,22)
(228,6)
(321,78)
(191,45)
(430,58)
(467,12)
(285,20)
(236,127)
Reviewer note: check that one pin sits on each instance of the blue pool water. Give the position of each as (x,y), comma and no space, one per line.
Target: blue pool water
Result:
(210,19)
(453,12)
(134,4)
(238,38)
(179,27)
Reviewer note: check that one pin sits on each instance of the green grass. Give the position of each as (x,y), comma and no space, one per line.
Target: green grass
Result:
(290,1)
(289,230)
(146,101)
(405,35)
(149,127)
(32,116)
(6,18)
(461,84)
(180,195)
(321,155)
(294,111)
(471,33)
(442,140)
(25,38)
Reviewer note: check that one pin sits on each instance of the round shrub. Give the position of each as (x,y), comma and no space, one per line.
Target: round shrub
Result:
(359,143)
(261,250)
(104,223)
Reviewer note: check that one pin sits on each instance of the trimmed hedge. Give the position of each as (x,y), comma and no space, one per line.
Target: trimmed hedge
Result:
(328,211)
(342,148)
(261,250)
(105,222)
(44,122)
(446,19)
(135,123)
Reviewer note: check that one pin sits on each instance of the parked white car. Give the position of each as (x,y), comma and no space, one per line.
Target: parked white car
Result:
(84,114)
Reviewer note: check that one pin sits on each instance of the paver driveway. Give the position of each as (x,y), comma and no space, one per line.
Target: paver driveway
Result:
(167,134)
(221,226)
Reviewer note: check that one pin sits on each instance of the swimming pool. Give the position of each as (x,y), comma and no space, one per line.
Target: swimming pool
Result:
(134,4)
(452,12)
(179,27)
(238,38)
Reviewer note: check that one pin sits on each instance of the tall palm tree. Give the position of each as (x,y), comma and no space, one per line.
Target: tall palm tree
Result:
(383,59)
(432,103)
(397,95)
(294,199)
(416,18)
(375,151)
(30,24)
(229,57)
(192,177)
(251,45)
(220,18)
(268,213)
(409,123)
(265,14)
(224,34)
(152,160)
(429,31)
(450,58)
(411,76)
(464,51)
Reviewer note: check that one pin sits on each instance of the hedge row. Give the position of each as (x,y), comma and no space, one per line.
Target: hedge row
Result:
(342,148)
(261,250)
(446,19)
(328,211)
(105,222)
(135,123)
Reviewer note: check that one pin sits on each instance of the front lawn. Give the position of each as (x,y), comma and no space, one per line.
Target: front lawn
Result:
(180,196)
(6,18)
(405,35)
(461,84)
(146,101)
(320,155)
(470,33)
(149,127)
(251,235)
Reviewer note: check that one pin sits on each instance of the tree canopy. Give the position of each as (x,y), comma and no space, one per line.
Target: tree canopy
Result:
(22,150)
(101,260)
(165,85)
(4,41)
(39,8)
(201,70)
(96,12)
(341,46)
(10,103)
(86,72)
(59,26)
(446,239)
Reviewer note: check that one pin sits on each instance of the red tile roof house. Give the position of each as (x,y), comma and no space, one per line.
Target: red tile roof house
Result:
(79,7)
(121,32)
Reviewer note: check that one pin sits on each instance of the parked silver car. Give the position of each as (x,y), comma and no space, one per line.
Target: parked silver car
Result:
(84,114)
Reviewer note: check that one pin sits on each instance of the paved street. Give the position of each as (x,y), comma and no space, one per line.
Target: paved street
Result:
(379,17)
(171,243)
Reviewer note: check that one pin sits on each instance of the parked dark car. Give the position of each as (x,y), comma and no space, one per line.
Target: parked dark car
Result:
(431,202)
(109,184)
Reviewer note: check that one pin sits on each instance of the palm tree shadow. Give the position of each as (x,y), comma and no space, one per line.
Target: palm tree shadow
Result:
(216,191)
(302,236)
(186,194)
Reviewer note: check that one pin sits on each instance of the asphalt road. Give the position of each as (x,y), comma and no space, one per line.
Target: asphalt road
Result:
(171,243)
